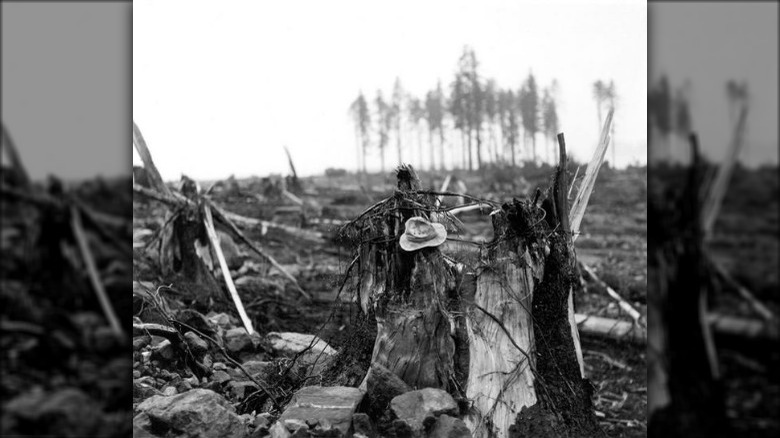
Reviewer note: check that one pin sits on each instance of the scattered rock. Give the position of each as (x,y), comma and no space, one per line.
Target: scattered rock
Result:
(140,342)
(415,406)
(336,405)
(184,386)
(222,320)
(220,376)
(196,320)
(141,426)
(67,412)
(293,343)
(401,429)
(279,431)
(198,413)
(301,432)
(104,339)
(238,340)
(246,418)
(143,389)
(316,363)
(362,424)
(450,427)
(381,387)
(142,433)
(254,367)
(239,390)
(197,344)
(324,428)
(169,391)
(207,361)
(262,420)
(164,352)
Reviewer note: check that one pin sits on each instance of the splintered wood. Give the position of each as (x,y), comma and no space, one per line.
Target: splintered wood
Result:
(501,341)
(209,224)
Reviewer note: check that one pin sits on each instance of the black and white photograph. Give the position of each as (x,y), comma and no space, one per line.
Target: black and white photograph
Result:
(390,219)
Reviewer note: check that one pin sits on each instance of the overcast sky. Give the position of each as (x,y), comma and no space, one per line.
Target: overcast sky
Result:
(66,86)
(220,87)
(709,43)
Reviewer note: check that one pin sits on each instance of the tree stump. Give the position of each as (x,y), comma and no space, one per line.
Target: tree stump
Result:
(501,336)
(500,329)
(179,257)
(411,294)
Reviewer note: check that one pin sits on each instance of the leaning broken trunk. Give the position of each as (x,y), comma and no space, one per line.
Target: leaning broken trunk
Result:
(524,348)
(500,337)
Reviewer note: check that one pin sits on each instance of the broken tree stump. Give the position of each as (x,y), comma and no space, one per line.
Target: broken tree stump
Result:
(525,374)
(502,335)
(410,293)
(179,256)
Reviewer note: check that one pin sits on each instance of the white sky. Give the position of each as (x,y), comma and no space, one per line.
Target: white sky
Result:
(220,87)
(709,43)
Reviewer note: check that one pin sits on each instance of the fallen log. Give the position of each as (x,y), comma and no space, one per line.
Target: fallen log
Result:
(295,200)
(624,305)
(301,233)
(611,328)
(468,208)
(747,328)
(743,292)
(723,325)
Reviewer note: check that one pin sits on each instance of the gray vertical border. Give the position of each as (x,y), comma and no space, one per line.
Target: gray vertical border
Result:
(87,100)
(67,86)
(652,60)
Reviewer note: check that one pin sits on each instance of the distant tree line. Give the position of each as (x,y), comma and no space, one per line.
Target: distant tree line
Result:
(470,123)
